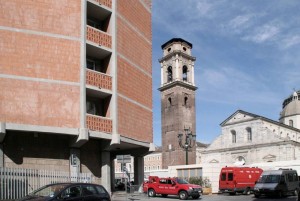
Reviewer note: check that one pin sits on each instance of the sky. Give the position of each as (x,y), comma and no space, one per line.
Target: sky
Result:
(247,56)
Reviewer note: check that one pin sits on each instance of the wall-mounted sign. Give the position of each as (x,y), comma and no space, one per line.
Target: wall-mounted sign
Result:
(123,158)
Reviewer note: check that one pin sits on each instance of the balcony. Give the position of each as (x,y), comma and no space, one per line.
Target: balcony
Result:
(98,123)
(98,79)
(106,3)
(100,38)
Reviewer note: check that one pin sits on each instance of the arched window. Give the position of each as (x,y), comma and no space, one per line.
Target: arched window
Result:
(291,123)
(170,74)
(169,101)
(185,101)
(184,73)
(233,136)
(249,134)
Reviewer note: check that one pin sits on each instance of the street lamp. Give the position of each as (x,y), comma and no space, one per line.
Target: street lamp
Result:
(189,142)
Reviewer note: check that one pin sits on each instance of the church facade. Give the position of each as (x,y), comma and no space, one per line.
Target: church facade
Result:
(252,139)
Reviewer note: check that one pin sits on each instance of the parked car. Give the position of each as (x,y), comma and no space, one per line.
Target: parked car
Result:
(69,191)
(171,186)
(277,182)
(238,179)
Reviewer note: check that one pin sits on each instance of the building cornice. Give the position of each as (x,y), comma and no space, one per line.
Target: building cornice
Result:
(177,83)
(174,53)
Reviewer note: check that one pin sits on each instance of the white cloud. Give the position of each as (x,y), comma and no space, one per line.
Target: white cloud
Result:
(240,21)
(262,34)
(290,41)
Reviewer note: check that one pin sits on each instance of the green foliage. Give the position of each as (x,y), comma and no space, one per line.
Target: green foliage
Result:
(196,180)
(204,182)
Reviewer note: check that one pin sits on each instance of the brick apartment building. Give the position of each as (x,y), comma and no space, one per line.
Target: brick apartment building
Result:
(76,85)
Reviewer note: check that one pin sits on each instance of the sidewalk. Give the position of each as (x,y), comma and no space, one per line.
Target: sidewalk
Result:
(123,196)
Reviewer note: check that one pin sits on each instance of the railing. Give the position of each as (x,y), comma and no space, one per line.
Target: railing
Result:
(16,183)
(105,2)
(98,123)
(98,37)
(99,80)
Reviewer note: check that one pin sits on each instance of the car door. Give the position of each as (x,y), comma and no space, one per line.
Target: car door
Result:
(89,193)
(102,193)
(72,193)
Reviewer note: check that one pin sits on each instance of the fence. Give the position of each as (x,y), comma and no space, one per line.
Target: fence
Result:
(16,183)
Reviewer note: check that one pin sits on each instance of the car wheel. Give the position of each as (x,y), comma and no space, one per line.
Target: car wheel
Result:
(257,195)
(183,195)
(151,193)
(247,191)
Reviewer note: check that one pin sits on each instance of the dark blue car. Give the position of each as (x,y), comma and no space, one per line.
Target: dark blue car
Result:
(69,191)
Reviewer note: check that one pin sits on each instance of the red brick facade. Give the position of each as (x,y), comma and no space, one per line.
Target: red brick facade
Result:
(134,70)
(62,92)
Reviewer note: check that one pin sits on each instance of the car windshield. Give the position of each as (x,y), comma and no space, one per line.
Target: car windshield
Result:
(181,181)
(269,179)
(49,191)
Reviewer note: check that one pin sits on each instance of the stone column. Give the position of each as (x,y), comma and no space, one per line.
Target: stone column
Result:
(74,163)
(138,170)
(1,156)
(2,136)
(161,74)
(106,170)
(177,67)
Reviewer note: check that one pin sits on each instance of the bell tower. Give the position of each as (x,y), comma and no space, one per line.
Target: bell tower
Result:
(177,102)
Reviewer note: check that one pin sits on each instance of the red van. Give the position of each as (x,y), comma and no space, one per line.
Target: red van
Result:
(238,179)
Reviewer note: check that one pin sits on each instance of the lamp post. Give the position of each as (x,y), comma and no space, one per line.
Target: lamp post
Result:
(189,142)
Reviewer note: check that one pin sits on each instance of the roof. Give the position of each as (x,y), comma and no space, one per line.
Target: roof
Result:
(176,40)
(259,117)
(291,105)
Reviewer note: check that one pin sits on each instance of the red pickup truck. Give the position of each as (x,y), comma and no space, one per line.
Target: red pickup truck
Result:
(171,186)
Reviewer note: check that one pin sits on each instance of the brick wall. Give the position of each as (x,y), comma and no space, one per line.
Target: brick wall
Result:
(133,121)
(39,56)
(134,70)
(39,103)
(134,84)
(43,49)
(56,16)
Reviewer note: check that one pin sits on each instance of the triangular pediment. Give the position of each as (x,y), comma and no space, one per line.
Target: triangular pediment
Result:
(269,156)
(214,161)
(239,116)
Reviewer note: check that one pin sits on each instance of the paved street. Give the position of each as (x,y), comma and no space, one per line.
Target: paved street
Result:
(215,197)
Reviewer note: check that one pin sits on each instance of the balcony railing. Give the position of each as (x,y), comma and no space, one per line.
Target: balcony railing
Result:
(98,79)
(98,123)
(98,37)
(105,2)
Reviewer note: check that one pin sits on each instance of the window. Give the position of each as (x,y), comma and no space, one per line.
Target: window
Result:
(91,64)
(170,74)
(91,107)
(230,176)
(73,191)
(223,177)
(88,190)
(170,101)
(100,189)
(184,73)
(185,100)
(94,23)
(249,134)
(291,123)
(233,136)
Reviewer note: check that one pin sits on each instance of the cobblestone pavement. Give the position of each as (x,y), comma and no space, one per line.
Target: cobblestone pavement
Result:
(215,197)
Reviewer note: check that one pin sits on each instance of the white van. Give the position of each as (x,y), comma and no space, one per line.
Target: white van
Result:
(277,182)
